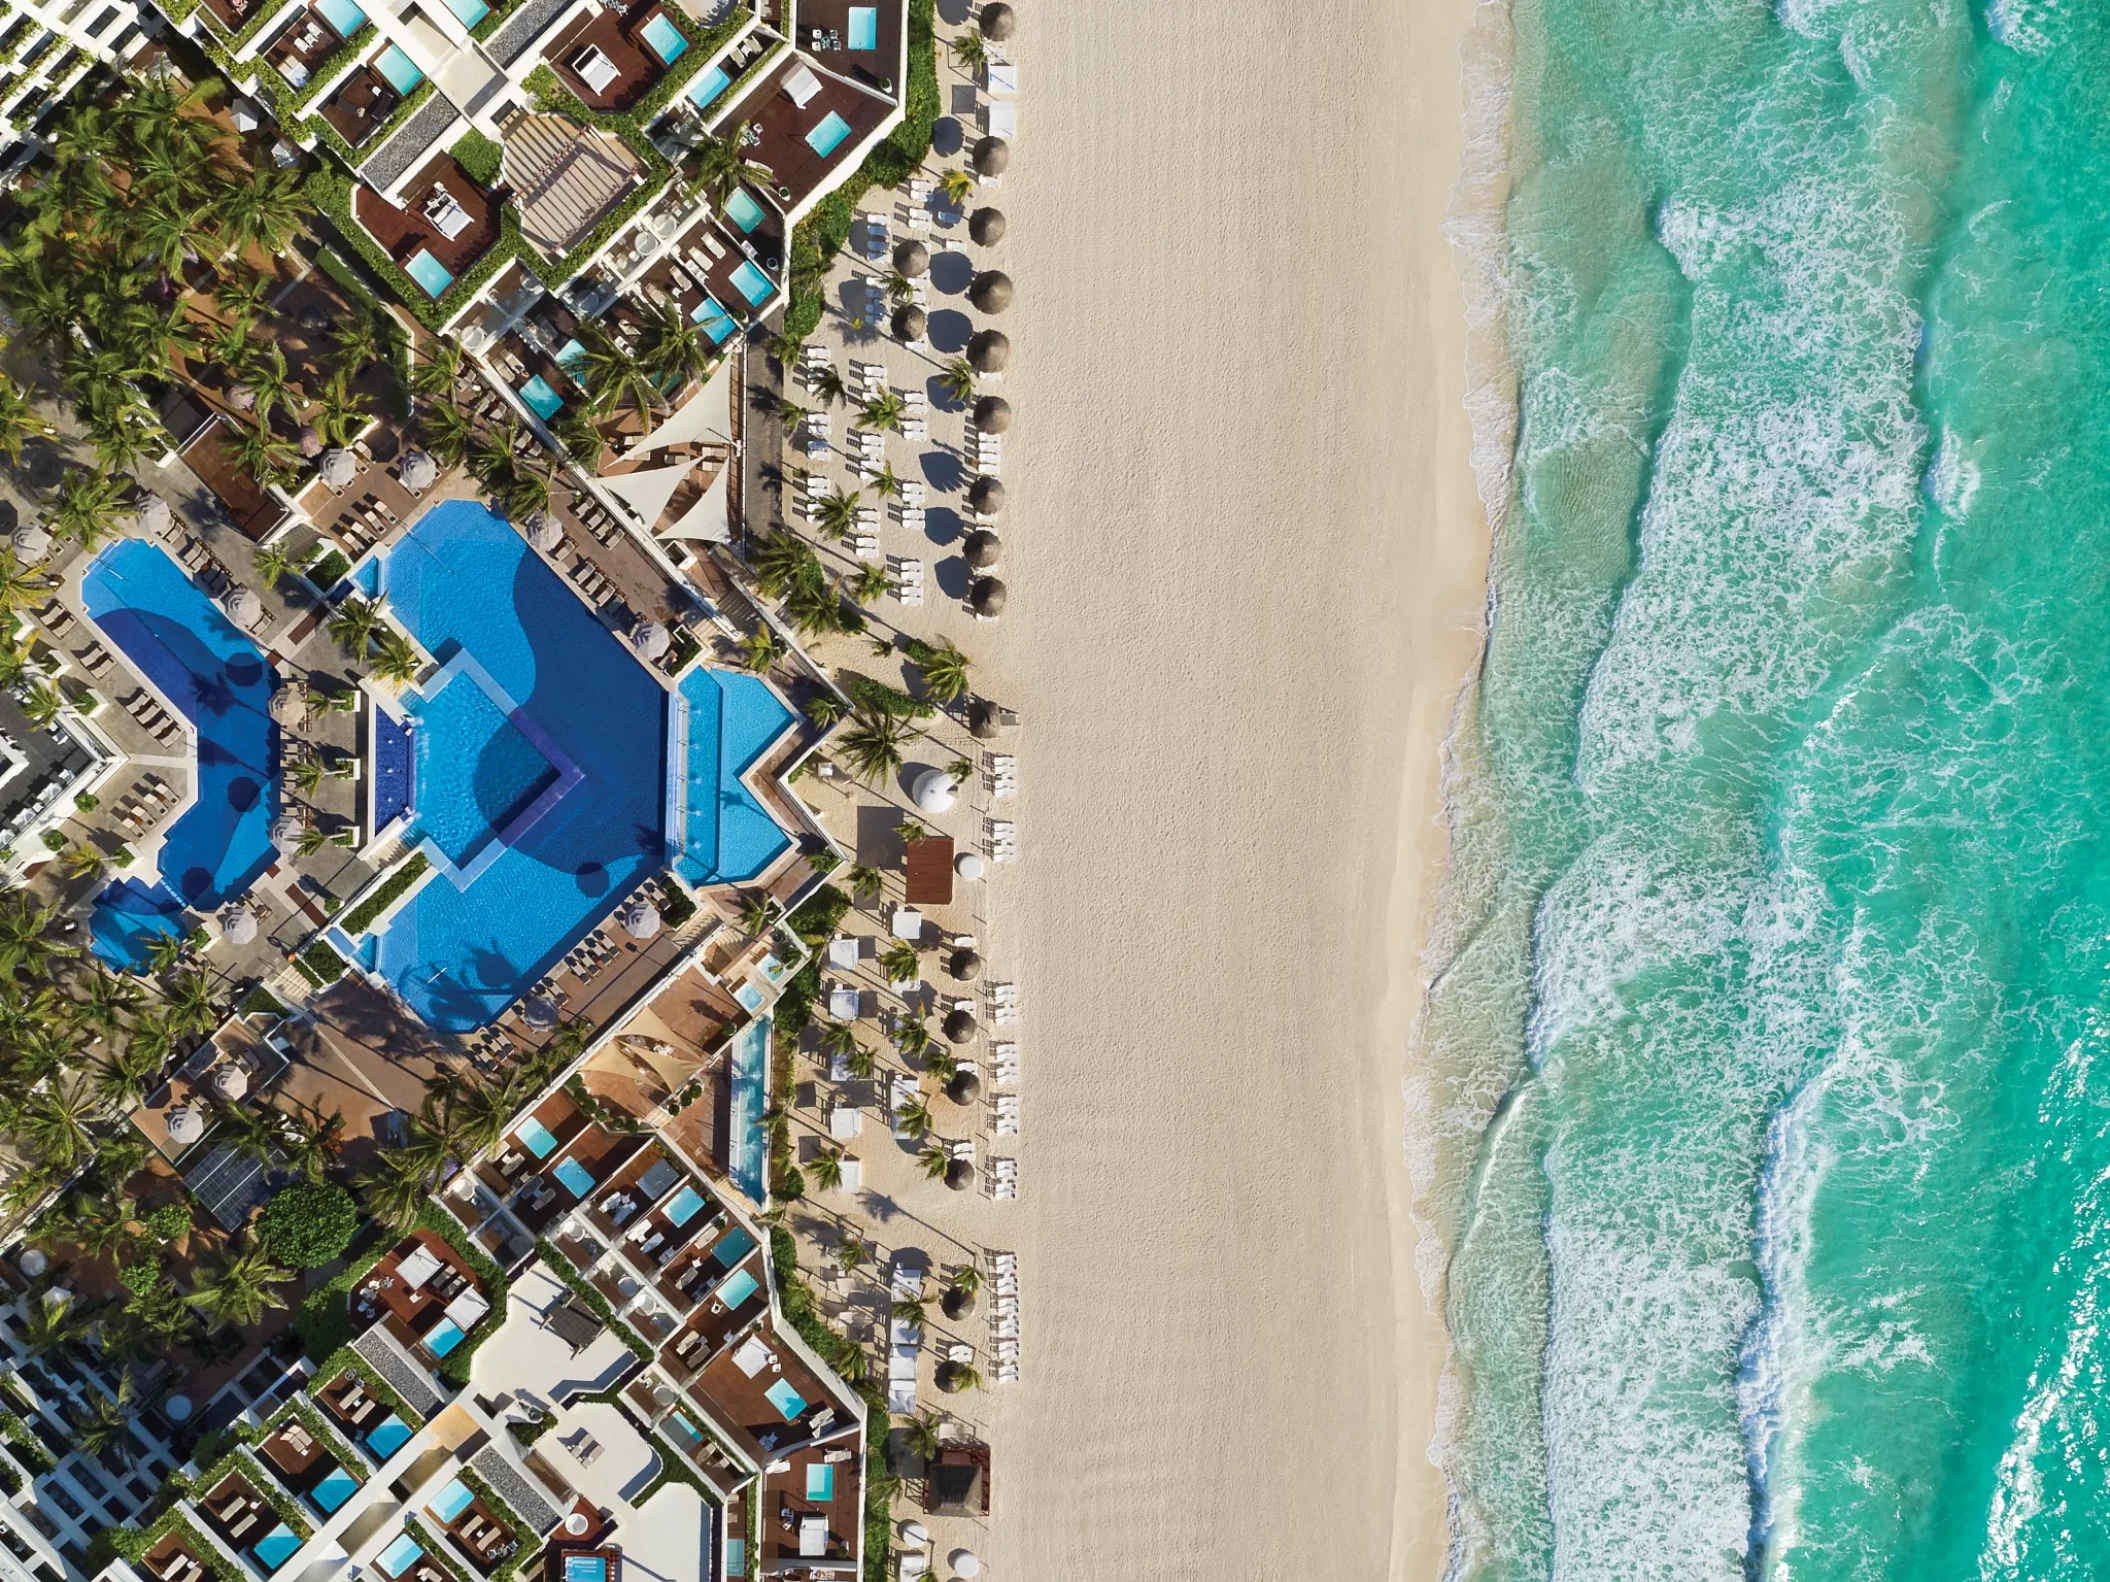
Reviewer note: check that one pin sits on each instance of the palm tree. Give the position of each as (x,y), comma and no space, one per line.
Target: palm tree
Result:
(264,454)
(234,1285)
(309,1139)
(229,341)
(102,1425)
(934,1159)
(447,430)
(790,414)
(828,386)
(969,52)
(759,913)
(851,1362)
(886,484)
(244,293)
(355,341)
(836,514)
(307,776)
(899,288)
(961,769)
(266,211)
(87,507)
(900,963)
(914,1118)
(394,1189)
(956,379)
(908,1310)
(872,745)
(354,625)
(721,164)
(670,347)
(265,372)
(55,1123)
(313,837)
(852,1254)
(436,370)
(828,1169)
(44,704)
(823,708)
(614,376)
(925,1436)
(190,1007)
(166,953)
(944,672)
(167,230)
(477,1113)
(19,583)
(862,1062)
(957,1376)
(957,186)
(82,861)
(19,421)
(911,1037)
(274,565)
(760,649)
(839,1040)
(940,1063)
(864,882)
(395,659)
(778,562)
(882,411)
(340,416)
(50,1326)
(121,1080)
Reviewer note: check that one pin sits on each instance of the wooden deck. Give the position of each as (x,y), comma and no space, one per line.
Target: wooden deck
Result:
(404,232)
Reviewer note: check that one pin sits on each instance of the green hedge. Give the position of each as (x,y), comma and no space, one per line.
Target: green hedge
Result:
(320,965)
(328,67)
(385,895)
(561,1267)
(481,159)
(28,1449)
(866,693)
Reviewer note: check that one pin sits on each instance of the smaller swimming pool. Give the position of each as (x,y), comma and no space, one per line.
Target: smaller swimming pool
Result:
(585,1568)
(716,322)
(337,1487)
(742,209)
(745,1149)
(541,399)
(428,272)
(864,27)
(685,1431)
(401,1555)
(736,1290)
(737,1245)
(443,1337)
(786,1400)
(402,72)
(665,40)
(451,1501)
(128,918)
(826,138)
(752,283)
(344,18)
(472,12)
(820,1481)
(736,1557)
(708,86)
(540,1141)
(683,1209)
(578,1180)
(570,355)
(276,1547)
(388,1436)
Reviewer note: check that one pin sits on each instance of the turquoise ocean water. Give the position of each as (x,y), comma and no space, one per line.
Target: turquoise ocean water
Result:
(1775,1018)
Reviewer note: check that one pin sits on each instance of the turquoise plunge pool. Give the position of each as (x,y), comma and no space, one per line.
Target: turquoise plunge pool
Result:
(663,38)
(742,209)
(400,70)
(745,1150)
(345,18)
(826,138)
(752,283)
(429,272)
(211,673)
(729,722)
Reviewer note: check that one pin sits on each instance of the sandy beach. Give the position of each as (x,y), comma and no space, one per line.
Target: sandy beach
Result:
(1247,566)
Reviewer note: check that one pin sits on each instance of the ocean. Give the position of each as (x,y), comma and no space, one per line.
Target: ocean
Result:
(1769,1139)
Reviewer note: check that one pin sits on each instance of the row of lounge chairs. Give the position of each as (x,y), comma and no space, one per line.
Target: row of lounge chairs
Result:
(153,718)
(364,523)
(145,805)
(593,584)
(1004,1307)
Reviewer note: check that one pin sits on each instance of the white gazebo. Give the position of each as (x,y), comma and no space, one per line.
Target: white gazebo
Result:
(935,791)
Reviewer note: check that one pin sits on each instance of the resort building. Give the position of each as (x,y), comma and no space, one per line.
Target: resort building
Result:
(47,48)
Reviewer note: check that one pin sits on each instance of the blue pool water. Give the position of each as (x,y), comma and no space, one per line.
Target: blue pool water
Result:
(126,920)
(730,720)
(462,580)
(577,1179)
(716,322)
(401,71)
(540,1141)
(820,1481)
(443,1337)
(401,1555)
(826,138)
(336,1487)
(388,1436)
(736,1245)
(708,86)
(585,1568)
(216,677)
(393,785)
(276,1547)
(344,18)
(750,1073)
(663,37)
(736,1557)
(544,401)
(864,27)
(737,1289)
(753,284)
(428,272)
(471,12)
(452,1501)
(476,769)
(683,1209)
(743,210)
(571,354)
(685,1431)
(785,1399)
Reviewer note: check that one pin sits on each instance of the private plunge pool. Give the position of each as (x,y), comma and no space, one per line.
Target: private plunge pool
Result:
(215,676)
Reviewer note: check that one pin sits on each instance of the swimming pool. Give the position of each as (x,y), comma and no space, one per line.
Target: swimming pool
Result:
(716,322)
(336,1487)
(736,1245)
(750,1071)
(541,1142)
(820,1481)
(786,1400)
(736,1557)
(736,1290)
(826,138)
(388,1436)
(864,27)
(463,581)
(401,1555)
(663,38)
(126,920)
(479,769)
(402,72)
(345,19)
(215,676)
(683,1209)
(742,209)
(428,272)
(752,283)
(708,86)
(470,12)
(570,355)
(585,1568)
(443,1337)
(729,721)
(451,1501)
(577,1179)
(544,401)
(276,1547)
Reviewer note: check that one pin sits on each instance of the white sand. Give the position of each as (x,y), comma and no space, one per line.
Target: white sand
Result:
(1246,565)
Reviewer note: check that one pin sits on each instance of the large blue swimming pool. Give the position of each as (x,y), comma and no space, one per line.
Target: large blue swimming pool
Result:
(463,580)
(207,668)
(730,720)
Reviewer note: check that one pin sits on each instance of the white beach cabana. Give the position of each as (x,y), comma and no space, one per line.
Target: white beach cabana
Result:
(421,1265)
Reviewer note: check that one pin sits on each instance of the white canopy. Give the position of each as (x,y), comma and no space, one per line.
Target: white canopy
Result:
(238,927)
(641,920)
(936,791)
(753,1356)
(467,1308)
(286,829)
(230,1082)
(153,515)
(32,543)
(186,1126)
(544,531)
(243,606)
(968,865)
(418,470)
(651,639)
(800,85)
(337,468)
(421,1265)
(706,520)
(843,1003)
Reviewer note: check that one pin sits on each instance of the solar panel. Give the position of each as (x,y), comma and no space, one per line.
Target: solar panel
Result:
(229,1183)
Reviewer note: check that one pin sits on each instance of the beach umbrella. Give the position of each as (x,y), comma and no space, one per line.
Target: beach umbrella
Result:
(314,317)
(936,791)
(982,720)
(418,471)
(986,597)
(244,114)
(968,865)
(32,543)
(641,919)
(992,415)
(992,156)
(910,324)
(999,21)
(912,258)
(651,640)
(959,1175)
(989,351)
(287,829)
(986,226)
(231,1083)
(540,1013)
(243,607)
(986,495)
(948,1374)
(186,1126)
(983,549)
(152,517)
(33,1262)
(238,927)
(310,441)
(544,531)
(241,398)
(991,291)
(288,707)
(959,1026)
(337,468)
(965,1562)
(966,964)
(915,1534)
